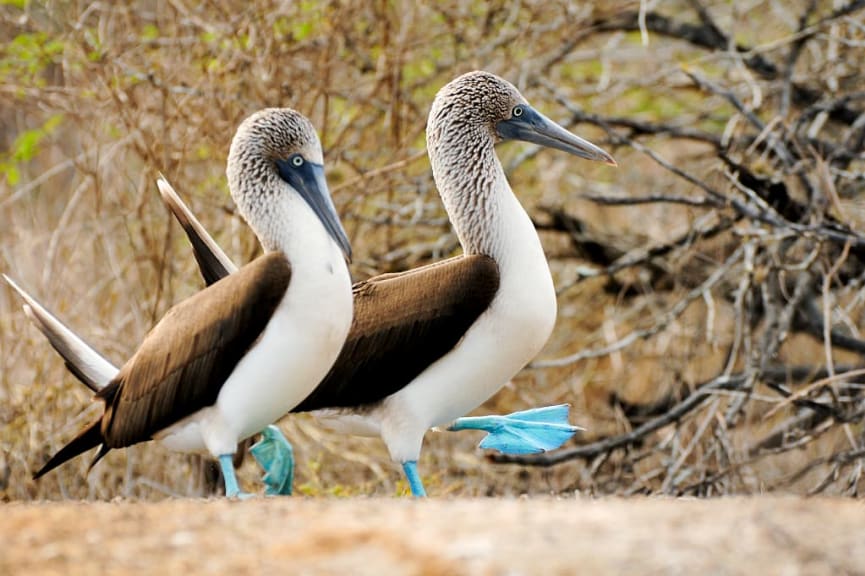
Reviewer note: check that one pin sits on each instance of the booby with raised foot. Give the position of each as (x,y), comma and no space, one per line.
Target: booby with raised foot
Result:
(431,344)
(235,357)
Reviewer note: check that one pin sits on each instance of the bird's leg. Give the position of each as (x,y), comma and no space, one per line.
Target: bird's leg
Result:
(525,432)
(232,490)
(414,481)
(274,453)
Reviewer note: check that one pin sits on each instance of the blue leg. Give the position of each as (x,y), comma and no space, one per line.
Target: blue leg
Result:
(525,432)
(276,456)
(414,481)
(232,490)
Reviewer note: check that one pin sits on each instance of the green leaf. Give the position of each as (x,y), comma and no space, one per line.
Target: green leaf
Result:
(25,147)
(150,32)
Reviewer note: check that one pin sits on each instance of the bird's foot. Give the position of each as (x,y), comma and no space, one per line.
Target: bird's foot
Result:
(276,456)
(526,432)
(232,489)
(414,481)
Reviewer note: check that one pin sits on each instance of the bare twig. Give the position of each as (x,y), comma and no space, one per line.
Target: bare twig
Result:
(689,404)
(673,313)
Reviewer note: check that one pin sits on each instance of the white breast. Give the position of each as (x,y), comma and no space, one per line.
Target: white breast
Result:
(293,354)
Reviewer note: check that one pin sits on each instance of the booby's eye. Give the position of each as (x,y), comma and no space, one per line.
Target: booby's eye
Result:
(517,111)
(296,160)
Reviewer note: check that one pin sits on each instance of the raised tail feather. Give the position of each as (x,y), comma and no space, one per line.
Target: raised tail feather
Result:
(82,360)
(88,365)
(213,263)
(88,438)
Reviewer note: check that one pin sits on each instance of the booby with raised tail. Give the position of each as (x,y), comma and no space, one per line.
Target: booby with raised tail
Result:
(235,357)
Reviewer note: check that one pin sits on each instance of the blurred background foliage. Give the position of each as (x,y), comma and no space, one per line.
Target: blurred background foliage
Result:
(703,103)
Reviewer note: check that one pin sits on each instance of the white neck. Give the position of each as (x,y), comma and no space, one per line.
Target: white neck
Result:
(487,217)
(286,223)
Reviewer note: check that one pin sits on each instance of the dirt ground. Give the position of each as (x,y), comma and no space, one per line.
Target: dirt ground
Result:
(764,536)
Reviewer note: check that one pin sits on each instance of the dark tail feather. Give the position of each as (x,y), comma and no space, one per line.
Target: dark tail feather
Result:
(88,438)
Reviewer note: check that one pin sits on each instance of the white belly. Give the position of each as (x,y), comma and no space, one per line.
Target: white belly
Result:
(293,354)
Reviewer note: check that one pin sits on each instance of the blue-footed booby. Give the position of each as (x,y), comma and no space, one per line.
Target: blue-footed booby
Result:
(235,357)
(431,344)
(428,345)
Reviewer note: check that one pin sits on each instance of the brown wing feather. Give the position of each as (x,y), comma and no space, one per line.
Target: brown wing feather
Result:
(183,362)
(403,323)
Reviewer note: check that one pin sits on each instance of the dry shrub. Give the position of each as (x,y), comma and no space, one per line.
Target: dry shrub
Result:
(707,287)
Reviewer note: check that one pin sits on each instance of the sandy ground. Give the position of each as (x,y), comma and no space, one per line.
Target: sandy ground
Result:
(436,537)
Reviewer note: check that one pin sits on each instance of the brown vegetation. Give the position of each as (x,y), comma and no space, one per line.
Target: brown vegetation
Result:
(710,288)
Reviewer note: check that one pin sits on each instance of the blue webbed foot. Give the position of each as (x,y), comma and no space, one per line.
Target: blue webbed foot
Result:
(414,481)
(232,489)
(525,432)
(274,453)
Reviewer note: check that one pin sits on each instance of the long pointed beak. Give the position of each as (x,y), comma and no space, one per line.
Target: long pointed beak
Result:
(534,127)
(323,206)
(310,182)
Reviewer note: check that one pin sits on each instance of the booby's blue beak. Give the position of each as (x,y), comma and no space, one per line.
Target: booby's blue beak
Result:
(529,125)
(308,179)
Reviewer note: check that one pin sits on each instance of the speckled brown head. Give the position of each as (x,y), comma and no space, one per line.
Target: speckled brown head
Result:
(480,103)
(474,101)
(271,148)
(469,116)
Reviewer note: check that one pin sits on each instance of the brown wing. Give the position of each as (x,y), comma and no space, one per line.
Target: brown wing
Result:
(184,361)
(403,323)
